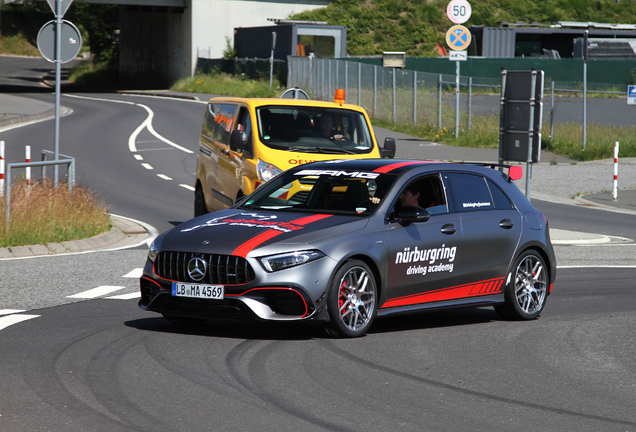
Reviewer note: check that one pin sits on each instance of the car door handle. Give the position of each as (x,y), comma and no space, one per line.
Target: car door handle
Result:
(506,224)
(449,229)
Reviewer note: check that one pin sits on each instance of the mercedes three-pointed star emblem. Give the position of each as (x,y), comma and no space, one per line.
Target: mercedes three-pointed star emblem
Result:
(197,268)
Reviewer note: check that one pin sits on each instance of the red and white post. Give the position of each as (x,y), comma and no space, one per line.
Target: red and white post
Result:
(27,151)
(1,166)
(615,188)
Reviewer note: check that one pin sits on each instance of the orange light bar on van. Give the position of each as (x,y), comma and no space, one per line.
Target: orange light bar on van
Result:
(339,97)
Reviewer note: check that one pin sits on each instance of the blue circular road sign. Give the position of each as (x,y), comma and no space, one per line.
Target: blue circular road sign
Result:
(458,37)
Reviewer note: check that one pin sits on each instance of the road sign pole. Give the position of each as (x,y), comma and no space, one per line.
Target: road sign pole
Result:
(58,77)
(456,99)
(585,89)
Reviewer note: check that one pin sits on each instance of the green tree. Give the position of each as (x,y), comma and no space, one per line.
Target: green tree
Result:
(100,23)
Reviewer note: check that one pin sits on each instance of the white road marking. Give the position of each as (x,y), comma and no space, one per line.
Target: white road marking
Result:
(618,266)
(9,320)
(100,99)
(129,296)
(146,124)
(163,176)
(10,311)
(139,157)
(97,292)
(188,187)
(132,146)
(147,166)
(136,273)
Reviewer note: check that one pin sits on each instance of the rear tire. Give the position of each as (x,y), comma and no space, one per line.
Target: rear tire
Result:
(527,290)
(352,300)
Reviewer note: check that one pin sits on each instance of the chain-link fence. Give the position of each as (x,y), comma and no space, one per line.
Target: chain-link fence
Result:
(430,100)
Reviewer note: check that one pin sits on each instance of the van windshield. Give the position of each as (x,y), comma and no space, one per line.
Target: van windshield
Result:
(314,130)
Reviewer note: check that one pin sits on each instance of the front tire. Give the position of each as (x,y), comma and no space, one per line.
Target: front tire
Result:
(527,290)
(200,208)
(352,300)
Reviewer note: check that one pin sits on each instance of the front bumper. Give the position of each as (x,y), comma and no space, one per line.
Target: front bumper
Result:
(270,296)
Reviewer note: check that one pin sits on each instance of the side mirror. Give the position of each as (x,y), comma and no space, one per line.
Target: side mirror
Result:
(410,214)
(238,140)
(389,148)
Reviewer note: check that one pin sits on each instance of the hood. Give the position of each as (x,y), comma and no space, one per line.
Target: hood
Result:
(285,159)
(239,232)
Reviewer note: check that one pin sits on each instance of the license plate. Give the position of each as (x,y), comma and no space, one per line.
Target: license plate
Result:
(216,292)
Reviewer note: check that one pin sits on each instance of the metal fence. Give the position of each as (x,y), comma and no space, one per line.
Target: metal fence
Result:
(428,99)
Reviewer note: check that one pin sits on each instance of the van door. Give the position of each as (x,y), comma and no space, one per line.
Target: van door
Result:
(222,170)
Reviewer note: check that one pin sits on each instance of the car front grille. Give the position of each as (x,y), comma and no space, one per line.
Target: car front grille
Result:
(221,269)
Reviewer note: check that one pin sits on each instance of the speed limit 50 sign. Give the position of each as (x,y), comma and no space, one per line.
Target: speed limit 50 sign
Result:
(458,11)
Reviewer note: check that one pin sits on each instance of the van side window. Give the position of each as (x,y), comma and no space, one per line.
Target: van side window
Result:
(244,123)
(219,119)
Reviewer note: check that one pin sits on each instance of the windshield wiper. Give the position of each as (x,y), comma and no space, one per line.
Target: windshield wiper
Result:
(327,150)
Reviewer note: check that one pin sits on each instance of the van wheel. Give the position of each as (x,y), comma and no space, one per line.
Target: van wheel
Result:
(199,202)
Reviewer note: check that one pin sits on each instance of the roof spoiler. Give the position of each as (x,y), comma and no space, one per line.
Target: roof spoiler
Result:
(515,172)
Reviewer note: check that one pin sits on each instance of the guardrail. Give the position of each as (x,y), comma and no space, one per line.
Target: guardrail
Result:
(68,160)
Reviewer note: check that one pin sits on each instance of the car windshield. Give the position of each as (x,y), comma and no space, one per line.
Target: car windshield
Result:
(314,130)
(322,191)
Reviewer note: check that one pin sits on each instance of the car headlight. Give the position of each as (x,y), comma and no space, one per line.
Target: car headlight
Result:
(278,262)
(267,171)
(153,251)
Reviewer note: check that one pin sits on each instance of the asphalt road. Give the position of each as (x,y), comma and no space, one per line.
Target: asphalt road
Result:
(77,359)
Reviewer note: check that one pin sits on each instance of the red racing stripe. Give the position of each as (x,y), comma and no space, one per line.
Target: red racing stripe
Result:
(391,167)
(492,286)
(246,247)
(309,219)
(261,238)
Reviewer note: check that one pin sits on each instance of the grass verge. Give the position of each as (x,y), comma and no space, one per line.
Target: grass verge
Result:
(89,73)
(42,213)
(600,139)
(224,84)
(17,45)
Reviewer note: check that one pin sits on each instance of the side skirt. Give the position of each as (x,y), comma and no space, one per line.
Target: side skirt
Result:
(489,300)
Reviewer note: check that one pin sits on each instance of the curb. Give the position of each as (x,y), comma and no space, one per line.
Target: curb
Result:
(161,93)
(125,233)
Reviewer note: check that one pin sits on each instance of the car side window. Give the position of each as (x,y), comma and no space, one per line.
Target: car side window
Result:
(470,192)
(426,192)
(499,198)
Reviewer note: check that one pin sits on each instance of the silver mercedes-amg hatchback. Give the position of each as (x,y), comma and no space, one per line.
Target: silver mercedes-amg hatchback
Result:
(343,242)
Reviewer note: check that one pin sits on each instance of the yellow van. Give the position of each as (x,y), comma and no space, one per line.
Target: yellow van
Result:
(245,142)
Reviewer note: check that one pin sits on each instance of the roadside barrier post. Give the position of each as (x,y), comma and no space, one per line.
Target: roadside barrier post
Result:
(27,170)
(615,189)
(1,166)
